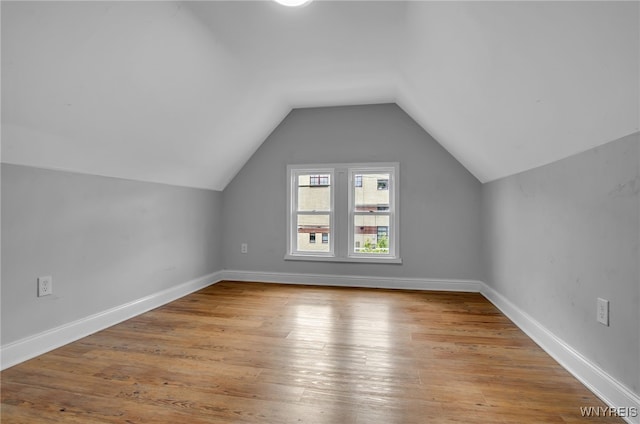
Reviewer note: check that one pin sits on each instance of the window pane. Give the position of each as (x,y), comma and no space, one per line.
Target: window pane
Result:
(373,192)
(308,227)
(371,234)
(314,192)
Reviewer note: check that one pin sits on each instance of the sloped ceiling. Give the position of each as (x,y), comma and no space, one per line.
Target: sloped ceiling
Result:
(184,92)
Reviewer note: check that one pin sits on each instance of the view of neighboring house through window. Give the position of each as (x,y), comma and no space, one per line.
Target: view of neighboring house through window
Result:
(371,209)
(318,180)
(362,196)
(313,201)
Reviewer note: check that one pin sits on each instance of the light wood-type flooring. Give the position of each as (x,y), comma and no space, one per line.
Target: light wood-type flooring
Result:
(268,353)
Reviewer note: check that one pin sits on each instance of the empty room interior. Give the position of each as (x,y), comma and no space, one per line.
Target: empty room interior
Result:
(333,212)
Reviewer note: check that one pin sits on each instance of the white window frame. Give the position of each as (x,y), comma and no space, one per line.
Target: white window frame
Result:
(292,217)
(341,216)
(392,170)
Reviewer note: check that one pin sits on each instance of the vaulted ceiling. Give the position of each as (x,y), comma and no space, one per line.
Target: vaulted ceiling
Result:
(184,92)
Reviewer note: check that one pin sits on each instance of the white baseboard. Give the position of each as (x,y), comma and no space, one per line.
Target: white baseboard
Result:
(32,346)
(354,281)
(607,388)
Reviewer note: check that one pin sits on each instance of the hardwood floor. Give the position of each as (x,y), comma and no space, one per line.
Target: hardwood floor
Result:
(267,353)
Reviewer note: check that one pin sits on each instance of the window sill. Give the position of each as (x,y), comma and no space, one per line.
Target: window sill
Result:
(354,259)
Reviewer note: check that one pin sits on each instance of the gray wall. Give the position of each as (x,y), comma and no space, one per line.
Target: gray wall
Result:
(439,199)
(559,236)
(105,241)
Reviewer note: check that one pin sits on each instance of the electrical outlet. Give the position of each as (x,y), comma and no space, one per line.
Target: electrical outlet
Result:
(243,248)
(45,286)
(603,311)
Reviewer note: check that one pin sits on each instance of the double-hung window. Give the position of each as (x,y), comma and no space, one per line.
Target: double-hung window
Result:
(312,198)
(372,207)
(353,207)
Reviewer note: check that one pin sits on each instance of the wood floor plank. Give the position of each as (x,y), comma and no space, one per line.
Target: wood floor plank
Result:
(241,352)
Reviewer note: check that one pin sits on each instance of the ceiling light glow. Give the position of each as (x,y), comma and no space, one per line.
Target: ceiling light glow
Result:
(293,3)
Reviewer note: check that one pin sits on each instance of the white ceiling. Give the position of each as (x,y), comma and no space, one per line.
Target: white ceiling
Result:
(184,92)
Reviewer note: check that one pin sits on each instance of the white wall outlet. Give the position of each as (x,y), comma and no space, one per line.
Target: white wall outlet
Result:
(603,311)
(45,286)
(244,248)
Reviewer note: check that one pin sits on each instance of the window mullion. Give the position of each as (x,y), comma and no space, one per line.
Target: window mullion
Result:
(340,205)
